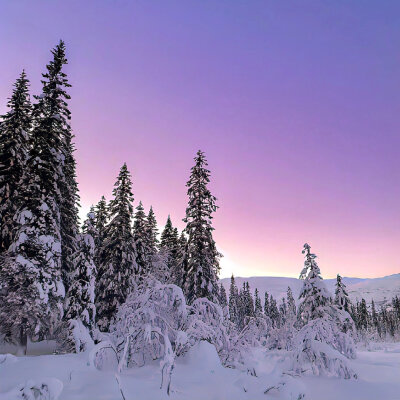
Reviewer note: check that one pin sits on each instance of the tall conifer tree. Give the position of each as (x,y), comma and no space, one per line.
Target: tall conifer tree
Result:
(101,221)
(314,296)
(14,149)
(223,301)
(152,232)
(169,245)
(167,235)
(201,266)
(233,302)
(177,273)
(32,274)
(141,241)
(341,297)
(257,303)
(118,265)
(53,149)
(291,305)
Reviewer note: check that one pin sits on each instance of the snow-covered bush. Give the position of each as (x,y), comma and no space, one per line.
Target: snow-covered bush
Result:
(321,349)
(205,321)
(155,323)
(148,322)
(254,334)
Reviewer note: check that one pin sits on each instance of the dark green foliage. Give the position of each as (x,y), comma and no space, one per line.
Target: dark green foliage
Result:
(201,266)
(141,241)
(14,148)
(117,269)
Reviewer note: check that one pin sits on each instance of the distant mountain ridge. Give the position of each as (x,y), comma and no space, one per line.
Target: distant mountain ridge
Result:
(381,290)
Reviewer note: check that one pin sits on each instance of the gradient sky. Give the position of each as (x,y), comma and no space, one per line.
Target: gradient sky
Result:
(296,104)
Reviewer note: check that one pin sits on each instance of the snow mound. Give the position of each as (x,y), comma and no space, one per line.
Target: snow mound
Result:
(202,356)
(7,359)
(45,389)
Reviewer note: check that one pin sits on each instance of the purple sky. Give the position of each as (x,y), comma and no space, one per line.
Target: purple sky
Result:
(296,104)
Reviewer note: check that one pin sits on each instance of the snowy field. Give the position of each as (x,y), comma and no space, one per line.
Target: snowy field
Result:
(199,375)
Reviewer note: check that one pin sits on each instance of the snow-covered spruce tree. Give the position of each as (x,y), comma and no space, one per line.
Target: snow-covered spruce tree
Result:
(102,217)
(341,297)
(223,301)
(242,307)
(383,322)
(33,276)
(152,232)
(375,320)
(291,305)
(77,331)
(249,307)
(158,261)
(167,235)
(313,296)
(143,250)
(363,317)
(14,149)
(396,307)
(342,301)
(177,274)
(257,303)
(283,311)
(266,304)
(169,246)
(201,267)
(273,313)
(89,225)
(118,268)
(321,348)
(233,302)
(69,210)
(51,125)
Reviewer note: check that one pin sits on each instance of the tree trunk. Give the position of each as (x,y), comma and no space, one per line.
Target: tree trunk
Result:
(23,342)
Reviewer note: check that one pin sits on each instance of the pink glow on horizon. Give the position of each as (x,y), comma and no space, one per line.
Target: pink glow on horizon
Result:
(296,108)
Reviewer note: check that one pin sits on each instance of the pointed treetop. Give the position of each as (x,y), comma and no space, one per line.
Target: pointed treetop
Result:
(19,102)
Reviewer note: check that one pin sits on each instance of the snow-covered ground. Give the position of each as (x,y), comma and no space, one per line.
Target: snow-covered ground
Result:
(382,290)
(199,375)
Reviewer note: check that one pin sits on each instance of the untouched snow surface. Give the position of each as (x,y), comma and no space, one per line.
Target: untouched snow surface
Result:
(199,375)
(382,290)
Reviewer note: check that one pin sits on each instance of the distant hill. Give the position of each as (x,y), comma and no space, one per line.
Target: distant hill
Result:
(380,289)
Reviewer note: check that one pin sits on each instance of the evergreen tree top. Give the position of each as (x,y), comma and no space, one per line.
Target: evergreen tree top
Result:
(121,208)
(152,231)
(19,104)
(201,201)
(140,216)
(152,223)
(169,235)
(52,102)
(101,214)
(89,225)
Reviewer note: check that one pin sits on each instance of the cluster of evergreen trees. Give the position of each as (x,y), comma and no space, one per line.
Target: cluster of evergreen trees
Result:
(369,322)
(56,277)
(380,324)
(243,306)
